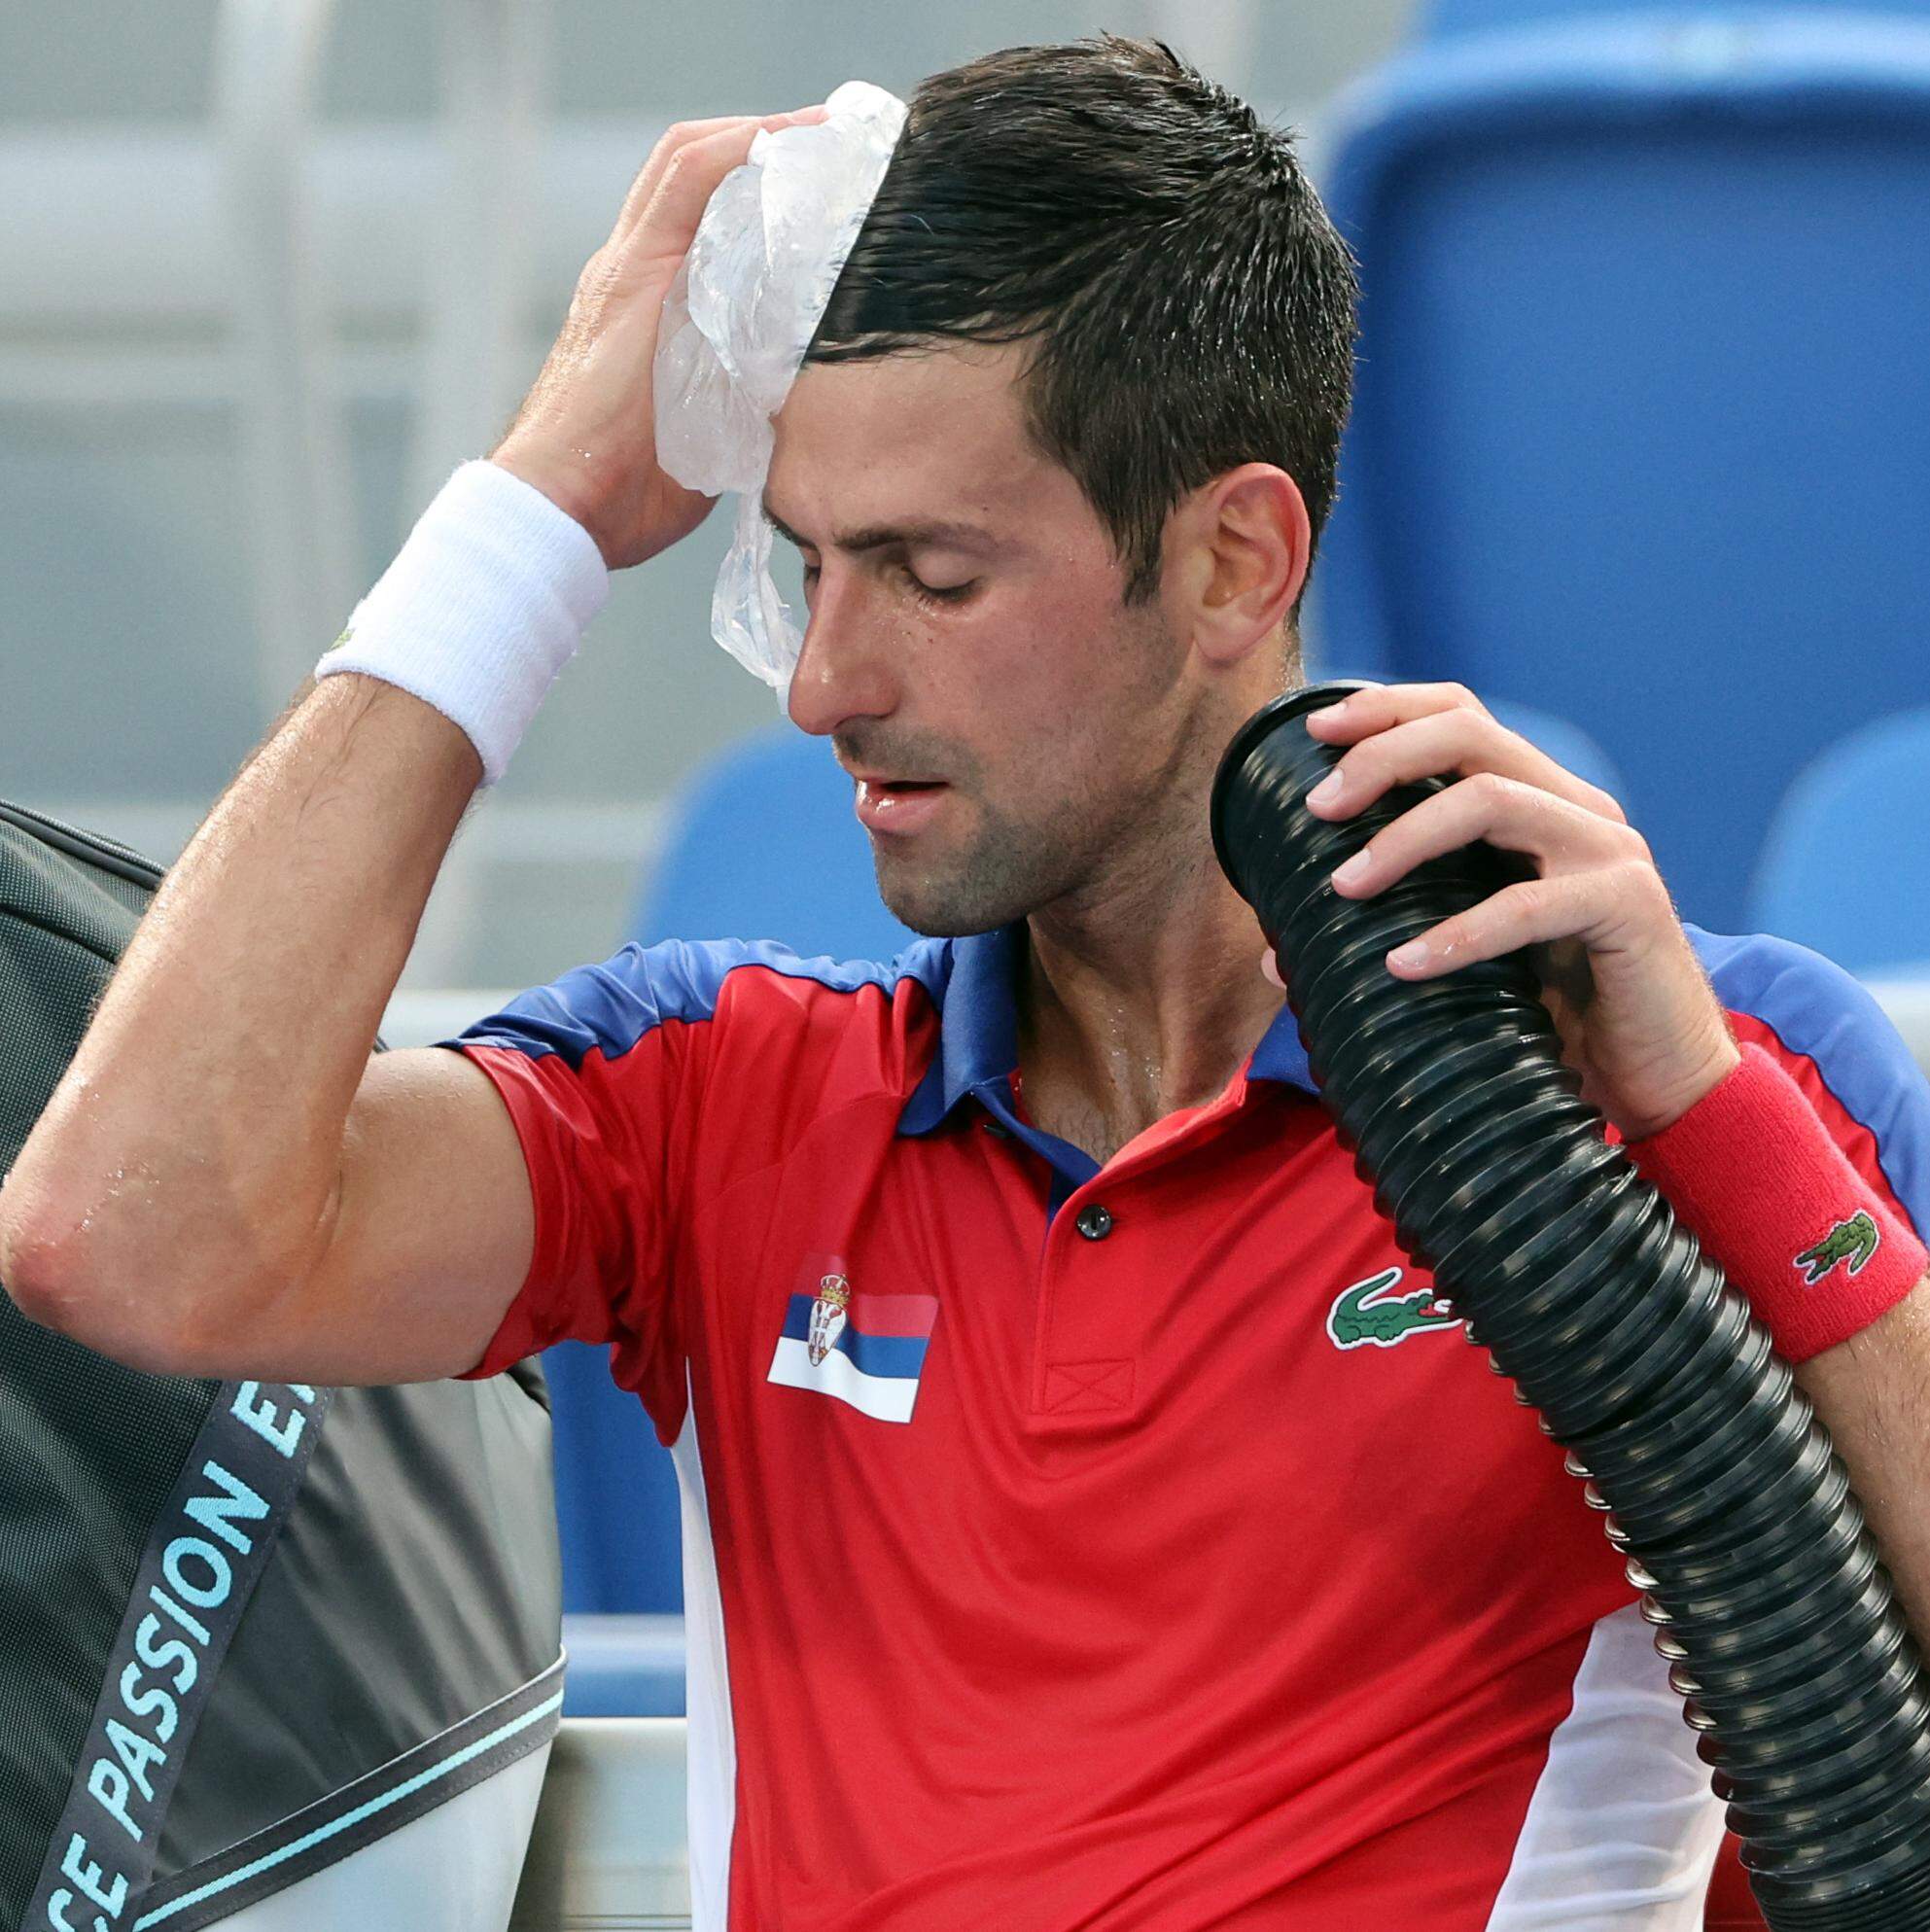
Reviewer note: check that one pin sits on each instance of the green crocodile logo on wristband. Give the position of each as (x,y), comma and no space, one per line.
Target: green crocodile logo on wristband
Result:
(1853,1241)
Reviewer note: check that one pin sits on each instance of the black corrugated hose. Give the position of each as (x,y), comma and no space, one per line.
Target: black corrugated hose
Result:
(1737,1520)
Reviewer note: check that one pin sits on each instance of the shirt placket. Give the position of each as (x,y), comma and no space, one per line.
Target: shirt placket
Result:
(1099,1251)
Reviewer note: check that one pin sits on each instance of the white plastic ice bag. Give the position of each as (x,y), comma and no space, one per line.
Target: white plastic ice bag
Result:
(736,323)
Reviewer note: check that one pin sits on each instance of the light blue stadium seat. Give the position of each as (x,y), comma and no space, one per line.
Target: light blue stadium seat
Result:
(1846,867)
(1641,413)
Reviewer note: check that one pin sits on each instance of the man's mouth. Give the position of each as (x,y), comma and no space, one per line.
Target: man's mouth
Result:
(897,804)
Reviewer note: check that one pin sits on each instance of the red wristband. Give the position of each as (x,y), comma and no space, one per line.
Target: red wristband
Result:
(1752,1172)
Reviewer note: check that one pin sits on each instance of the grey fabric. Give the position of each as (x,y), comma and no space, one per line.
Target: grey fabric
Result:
(454,1870)
(421,1564)
(214,1540)
(416,1579)
(88,1450)
(360,1815)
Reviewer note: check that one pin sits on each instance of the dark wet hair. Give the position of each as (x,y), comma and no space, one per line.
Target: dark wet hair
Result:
(1189,304)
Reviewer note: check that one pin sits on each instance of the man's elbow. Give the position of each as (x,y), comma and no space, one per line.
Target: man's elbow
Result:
(31,1260)
(24,1271)
(123,1312)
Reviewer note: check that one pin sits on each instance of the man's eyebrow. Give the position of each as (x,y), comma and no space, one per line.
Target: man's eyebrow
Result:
(884,535)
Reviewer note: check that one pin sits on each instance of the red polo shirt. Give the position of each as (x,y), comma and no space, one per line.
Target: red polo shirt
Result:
(1072,1547)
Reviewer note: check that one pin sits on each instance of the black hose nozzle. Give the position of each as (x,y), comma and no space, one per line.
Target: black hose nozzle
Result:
(1738,1521)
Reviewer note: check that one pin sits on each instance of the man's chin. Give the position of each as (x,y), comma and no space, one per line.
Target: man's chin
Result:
(945,908)
(940,922)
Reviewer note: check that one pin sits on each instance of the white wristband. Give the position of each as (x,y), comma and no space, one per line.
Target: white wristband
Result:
(483,606)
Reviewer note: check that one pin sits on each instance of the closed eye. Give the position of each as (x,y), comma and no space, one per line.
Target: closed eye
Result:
(925,593)
(928,593)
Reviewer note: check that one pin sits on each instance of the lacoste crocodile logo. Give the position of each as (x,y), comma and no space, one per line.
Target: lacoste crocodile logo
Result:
(1367,1313)
(1853,1241)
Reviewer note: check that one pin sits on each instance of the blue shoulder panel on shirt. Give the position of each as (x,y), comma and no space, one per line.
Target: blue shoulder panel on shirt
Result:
(1816,1007)
(614,1004)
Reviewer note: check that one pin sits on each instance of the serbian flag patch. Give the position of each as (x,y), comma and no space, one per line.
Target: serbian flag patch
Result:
(863,1349)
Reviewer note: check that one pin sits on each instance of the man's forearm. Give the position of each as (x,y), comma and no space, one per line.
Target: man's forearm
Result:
(192,1149)
(1873,1393)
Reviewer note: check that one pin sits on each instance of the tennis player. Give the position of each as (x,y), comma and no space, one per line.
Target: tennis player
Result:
(1092,1520)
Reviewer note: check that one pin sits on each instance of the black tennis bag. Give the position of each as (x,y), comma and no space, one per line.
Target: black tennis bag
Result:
(270,1655)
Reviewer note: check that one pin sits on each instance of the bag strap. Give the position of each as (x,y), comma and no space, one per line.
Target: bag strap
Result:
(207,1550)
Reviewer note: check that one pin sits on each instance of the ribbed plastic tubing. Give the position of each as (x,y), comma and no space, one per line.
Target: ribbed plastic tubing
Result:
(1735,1518)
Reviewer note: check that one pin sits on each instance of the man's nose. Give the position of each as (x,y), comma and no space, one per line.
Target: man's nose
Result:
(843,671)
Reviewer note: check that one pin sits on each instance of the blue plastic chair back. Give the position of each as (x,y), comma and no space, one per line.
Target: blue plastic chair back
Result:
(1845,868)
(763,846)
(1566,743)
(1453,17)
(1642,404)
(617,1508)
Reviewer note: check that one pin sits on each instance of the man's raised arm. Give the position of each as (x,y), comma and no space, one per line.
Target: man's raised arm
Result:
(227,1180)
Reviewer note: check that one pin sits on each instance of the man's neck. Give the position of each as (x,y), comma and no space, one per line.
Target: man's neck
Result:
(1129,1010)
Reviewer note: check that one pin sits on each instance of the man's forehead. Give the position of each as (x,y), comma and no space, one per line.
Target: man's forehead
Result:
(919,435)
(955,378)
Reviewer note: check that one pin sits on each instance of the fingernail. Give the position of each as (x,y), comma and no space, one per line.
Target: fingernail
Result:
(1414,953)
(1328,790)
(1327,711)
(1356,868)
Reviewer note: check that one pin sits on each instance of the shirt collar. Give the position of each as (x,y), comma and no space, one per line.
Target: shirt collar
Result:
(978,1033)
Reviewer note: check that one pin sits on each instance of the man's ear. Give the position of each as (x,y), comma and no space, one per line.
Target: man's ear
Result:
(1237,552)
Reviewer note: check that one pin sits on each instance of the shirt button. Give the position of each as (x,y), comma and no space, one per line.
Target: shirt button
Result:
(1094,1223)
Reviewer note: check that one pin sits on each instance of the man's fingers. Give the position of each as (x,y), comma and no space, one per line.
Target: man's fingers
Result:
(1556,833)
(1607,909)
(677,135)
(1434,742)
(668,224)
(1536,910)
(685,135)
(1373,707)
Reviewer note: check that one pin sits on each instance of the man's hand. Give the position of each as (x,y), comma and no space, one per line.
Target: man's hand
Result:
(586,435)
(1638,1018)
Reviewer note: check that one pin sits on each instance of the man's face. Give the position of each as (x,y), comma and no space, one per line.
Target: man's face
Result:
(1015,727)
